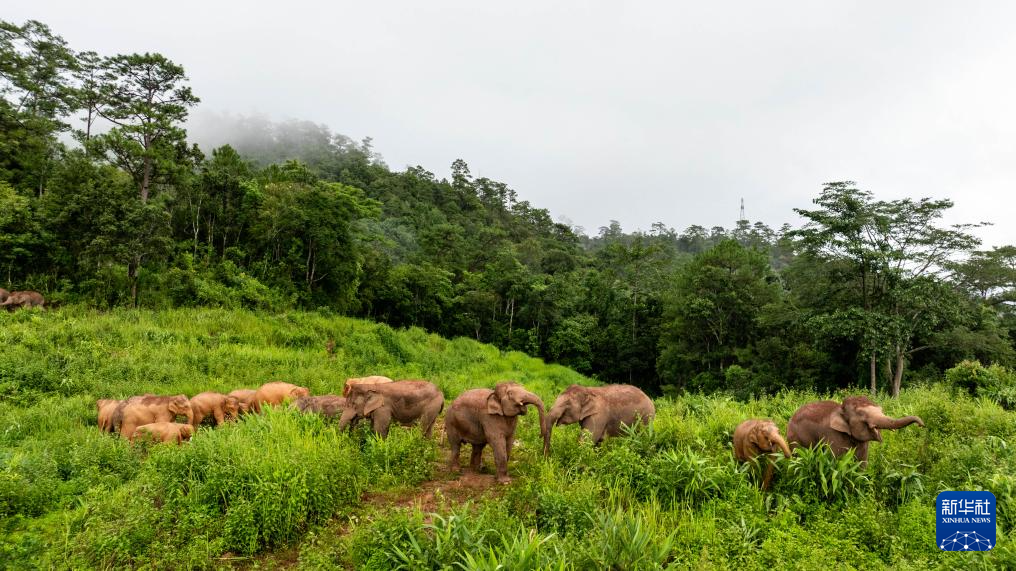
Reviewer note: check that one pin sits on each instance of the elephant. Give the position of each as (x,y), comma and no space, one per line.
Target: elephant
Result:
(146,409)
(163,432)
(16,299)
(601,410)
(404,402)
(276,392)
(4,294)
(106,408)
(218,406)
(327,405)
(754,438)
(372,380)
(852,424)
(245,399)
(485,416)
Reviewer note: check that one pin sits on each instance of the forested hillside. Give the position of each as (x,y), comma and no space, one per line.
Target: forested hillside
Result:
(105,200)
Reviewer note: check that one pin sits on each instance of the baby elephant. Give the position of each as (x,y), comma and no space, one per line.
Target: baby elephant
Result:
(163,432)
(328,405)
(277,392)
(754,438)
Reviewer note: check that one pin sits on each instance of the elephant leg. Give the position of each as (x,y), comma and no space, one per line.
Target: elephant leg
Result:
(454,444)
(596,429)
(500,459)
(428,418)
(127,429)
(220,417)
(381,420)
(476,459)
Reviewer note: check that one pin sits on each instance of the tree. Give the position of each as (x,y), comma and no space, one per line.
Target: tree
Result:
(890,252)
(146,98)
(713,310)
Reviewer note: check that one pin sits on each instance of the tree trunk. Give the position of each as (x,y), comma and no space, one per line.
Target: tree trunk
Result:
(133,269)
(874,375)
(898,374)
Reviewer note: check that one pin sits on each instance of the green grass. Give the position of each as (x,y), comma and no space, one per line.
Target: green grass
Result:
(283,489)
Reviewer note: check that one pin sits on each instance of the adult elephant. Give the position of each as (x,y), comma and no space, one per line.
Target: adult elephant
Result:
(371,380)
(277,392)
(404,402)
(754,438)
(16,299)
(148,409)
(483,416)
(106,408)
(600,410)
(852,424)
(216,406)
(245,399)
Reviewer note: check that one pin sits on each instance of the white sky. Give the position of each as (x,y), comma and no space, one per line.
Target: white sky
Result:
(664,111)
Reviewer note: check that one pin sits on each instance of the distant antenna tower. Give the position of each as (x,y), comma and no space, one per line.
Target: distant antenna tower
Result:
(742,218)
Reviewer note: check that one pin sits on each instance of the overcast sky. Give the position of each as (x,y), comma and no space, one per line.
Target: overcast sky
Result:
(669,111)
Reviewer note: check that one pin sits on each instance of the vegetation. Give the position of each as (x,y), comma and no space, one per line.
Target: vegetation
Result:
(173,270)
(288,489)
(278,216)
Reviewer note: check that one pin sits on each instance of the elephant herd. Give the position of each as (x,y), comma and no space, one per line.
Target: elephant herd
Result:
(478,417)
(845,426)
(488,417)
(11,300)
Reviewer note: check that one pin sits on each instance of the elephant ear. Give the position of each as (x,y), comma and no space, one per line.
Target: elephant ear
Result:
(494,405)
(589,403)
(838,421)
(374,402)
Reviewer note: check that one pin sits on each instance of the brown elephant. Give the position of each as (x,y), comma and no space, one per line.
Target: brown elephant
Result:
(328,405)
(147,409)
(217,406)
(755,438)
(106,408)
(852,424)
(16,299)
(371,380)
(484,416)
(277,392)
(163,432)
(245,399)
(404,402)
(600,410)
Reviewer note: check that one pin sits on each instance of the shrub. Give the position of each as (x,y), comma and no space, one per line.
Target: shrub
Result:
(816,475)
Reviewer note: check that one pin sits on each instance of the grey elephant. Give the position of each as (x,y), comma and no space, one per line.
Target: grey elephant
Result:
(483,416)
(328,406)
(601,410)
(852,424)
(404,402)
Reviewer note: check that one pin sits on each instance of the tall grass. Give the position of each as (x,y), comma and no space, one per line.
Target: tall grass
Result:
(666,496)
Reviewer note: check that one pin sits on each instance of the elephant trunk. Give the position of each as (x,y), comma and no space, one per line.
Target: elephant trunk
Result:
(553,416)
(348,414)
(534,400)
(897,423)
(782,444)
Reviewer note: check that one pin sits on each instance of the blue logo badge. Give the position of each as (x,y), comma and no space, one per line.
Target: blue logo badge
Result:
(965,521)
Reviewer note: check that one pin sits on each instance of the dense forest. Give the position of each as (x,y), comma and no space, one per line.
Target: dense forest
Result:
(105,200)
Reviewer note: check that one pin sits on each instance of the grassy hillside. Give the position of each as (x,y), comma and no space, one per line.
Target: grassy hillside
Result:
(286,490)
